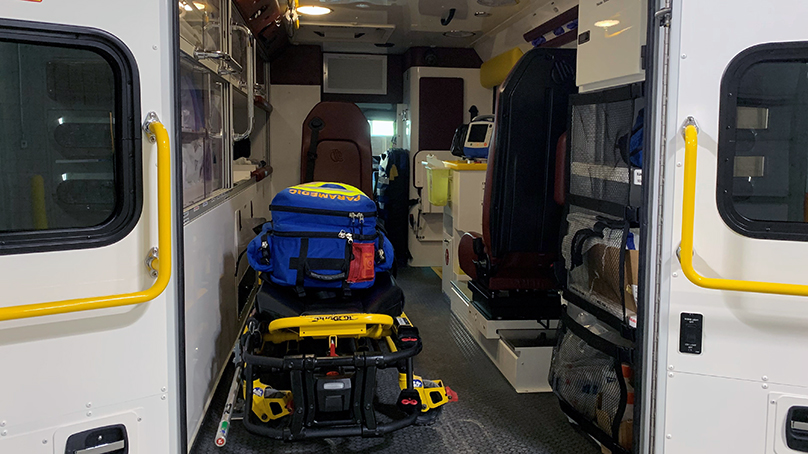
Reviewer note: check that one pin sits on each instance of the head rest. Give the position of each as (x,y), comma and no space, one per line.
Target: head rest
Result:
(341,150)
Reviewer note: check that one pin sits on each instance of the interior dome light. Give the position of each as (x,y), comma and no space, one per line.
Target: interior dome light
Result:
(314,10)
(606,23)
(187,7)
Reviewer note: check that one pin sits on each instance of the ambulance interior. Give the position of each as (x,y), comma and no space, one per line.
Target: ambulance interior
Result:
(501,141)
(482,217)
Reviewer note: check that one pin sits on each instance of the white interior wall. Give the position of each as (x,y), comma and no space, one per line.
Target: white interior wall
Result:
(510,33)
(429,250)
(291,104)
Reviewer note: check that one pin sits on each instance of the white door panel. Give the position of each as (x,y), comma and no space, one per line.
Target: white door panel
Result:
(753,340)
(688,432)
(88,367)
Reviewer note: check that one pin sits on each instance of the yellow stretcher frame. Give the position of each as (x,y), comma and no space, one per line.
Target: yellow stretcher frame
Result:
(688,220)
(334,326)
(163,265)
(324,326)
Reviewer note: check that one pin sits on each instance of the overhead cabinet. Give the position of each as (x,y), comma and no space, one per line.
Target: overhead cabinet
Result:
(203,117)
(217,90)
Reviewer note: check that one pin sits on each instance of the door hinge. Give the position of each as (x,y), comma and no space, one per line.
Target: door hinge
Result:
(663,16)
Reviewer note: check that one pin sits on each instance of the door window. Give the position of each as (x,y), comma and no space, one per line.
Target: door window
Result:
(69,139)
(763,143)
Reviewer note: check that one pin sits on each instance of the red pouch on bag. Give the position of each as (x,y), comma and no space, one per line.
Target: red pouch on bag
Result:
(363,264)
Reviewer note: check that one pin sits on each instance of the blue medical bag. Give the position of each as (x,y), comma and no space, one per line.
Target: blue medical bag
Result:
(322,235)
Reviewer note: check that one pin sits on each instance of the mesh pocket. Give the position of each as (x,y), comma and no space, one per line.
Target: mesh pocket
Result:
(592,255)
(586,374)
(599,151)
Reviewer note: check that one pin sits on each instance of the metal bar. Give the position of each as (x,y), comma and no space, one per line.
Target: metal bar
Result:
(688,218)
(157,132)
(219,55)
(224,423)
(103,449)
(250,84)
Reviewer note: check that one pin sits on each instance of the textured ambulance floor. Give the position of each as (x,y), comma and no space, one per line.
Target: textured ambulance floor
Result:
(490,416)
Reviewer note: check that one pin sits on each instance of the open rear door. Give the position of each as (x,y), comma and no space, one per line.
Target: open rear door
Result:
(734,325)
(88,308)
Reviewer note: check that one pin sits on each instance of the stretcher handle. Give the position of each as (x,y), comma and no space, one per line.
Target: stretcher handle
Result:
(688,217)
(156,132)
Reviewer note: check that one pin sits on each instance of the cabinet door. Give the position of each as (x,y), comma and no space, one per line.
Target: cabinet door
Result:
(240,47)
(202,98)
(439,120)
(201,23)
(214,142)
(192,141)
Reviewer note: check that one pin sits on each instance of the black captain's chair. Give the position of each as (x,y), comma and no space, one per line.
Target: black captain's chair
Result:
(510,263)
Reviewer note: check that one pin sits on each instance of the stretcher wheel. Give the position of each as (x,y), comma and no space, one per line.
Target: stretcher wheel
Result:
(428,418)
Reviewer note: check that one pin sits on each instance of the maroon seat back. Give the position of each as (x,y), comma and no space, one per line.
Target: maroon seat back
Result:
(521,220)
(521,209)
(341,153)
(559,192)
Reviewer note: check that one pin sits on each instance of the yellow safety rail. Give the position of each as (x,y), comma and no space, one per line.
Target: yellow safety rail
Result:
(688,217)
(370,325)
(163,241)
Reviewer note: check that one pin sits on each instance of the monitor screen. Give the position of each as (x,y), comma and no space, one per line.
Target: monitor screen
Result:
(477,133)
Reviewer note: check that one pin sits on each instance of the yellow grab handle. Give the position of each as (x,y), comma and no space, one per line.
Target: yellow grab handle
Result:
(688,217)
(153,126)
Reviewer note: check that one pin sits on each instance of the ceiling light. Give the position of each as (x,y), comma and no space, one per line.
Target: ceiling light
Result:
(481,14)
(458,34)
(493,3)
(362,5)
(187,7)
(314,10)
(606,23)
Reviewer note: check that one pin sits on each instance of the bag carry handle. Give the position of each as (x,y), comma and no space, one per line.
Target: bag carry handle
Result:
(324,277)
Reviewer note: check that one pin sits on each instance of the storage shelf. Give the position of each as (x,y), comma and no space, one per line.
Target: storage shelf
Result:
(627,327)
(601,172)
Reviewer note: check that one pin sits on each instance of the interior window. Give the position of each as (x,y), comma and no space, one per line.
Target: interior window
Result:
(382,135)
(67,159)
(763,148)
(382,128)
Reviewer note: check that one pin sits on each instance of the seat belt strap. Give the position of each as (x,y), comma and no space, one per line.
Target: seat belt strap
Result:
(301,267)
(316,124)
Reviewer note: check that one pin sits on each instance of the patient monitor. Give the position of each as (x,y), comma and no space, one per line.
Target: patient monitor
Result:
(478,137)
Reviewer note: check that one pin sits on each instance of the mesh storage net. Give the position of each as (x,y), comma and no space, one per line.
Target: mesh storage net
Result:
(591,250)
(586,378)
(599,148)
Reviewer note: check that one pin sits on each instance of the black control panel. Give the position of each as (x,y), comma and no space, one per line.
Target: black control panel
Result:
(690,331)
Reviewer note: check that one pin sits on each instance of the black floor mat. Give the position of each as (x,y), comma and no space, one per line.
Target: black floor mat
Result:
(490,417)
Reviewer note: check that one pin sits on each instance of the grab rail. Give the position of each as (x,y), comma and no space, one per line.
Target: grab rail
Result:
(688,217)
(250,84)
(156,131)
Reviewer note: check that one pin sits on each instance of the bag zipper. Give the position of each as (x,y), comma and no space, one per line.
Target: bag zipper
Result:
(342,234)
(353,215)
